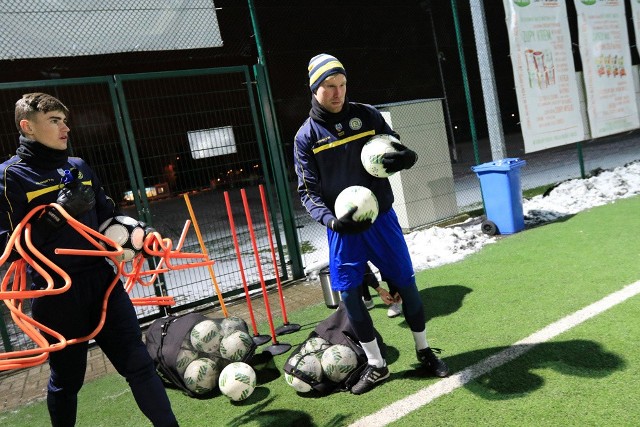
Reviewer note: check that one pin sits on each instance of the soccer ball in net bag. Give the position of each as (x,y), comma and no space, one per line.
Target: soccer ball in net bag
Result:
(201,376)
(206,336)
(338,361)
(309,365)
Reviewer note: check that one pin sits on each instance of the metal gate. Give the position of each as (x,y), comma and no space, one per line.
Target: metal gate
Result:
(157,138)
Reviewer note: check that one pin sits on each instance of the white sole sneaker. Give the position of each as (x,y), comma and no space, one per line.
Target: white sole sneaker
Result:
(394,310)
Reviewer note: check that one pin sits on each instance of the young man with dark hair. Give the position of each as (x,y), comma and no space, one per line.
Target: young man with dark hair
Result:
(42,173)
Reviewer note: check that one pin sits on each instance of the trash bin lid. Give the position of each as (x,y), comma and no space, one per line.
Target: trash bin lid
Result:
(503,165)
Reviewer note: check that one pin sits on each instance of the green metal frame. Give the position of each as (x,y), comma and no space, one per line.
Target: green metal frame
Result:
(272,152)
(279,174)
(274,145)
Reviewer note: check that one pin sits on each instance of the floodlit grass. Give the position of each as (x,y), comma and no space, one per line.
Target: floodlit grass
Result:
(475,308)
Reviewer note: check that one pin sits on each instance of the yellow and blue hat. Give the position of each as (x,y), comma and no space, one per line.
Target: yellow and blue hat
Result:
(322,66)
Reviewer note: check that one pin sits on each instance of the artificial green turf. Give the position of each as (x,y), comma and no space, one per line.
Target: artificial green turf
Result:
(475,308)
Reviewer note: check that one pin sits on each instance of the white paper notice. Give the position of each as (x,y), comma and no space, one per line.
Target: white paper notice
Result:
(606,64)
(544,73)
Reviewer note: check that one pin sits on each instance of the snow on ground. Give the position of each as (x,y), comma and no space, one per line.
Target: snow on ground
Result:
(437,246)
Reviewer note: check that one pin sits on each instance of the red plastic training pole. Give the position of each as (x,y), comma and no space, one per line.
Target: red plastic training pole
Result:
(238,255)
(273,253)
(257,255)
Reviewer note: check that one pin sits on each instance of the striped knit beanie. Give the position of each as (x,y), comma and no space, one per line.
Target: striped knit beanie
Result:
(322,66)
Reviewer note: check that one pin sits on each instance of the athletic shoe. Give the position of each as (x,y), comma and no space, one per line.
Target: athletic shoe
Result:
(368,303)
(394,310)
(434,365)
(369,378)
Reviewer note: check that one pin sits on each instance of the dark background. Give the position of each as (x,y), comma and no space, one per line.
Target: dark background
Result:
(388,49)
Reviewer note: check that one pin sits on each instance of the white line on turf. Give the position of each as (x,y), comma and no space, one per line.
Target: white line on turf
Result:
(399,409)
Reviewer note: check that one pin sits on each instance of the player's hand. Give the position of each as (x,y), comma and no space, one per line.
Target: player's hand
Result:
(347,225)
(75,200)
(398,160)
(385,296)
(397,298)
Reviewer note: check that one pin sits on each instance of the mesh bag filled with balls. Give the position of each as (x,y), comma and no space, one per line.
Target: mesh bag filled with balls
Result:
(190,351)
(168,341)
(339,358)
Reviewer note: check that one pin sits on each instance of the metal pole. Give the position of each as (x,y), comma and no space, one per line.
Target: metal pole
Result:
(454,151)
(465,81)
(489,93)
(581,160)
(274,145)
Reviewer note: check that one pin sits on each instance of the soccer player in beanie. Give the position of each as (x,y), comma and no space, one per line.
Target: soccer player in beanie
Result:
(42,173)
(327,160)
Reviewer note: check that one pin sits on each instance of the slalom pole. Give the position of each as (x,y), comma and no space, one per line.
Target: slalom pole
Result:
(204,251)
(286,328)
(257,338)
(276,348)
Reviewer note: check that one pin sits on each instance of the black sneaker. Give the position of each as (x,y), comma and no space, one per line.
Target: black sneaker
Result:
(434,365)
(369,378)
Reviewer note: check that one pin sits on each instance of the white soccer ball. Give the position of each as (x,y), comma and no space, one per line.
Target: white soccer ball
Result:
(372,152)
(237,381)
(338,361)
(185,356)
(236,345)
(231,324)
(360,197)
(315,346)
(307,363)
(205,336)
(126,232)
(201,375)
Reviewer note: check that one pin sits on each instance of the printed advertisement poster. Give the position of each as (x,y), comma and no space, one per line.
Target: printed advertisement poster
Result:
(606,64)
(544,73)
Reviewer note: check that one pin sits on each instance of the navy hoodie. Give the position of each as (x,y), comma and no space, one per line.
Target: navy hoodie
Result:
(327,159)
(29,180)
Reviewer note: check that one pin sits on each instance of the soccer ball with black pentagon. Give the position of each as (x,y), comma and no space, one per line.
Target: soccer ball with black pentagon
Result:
(126,232)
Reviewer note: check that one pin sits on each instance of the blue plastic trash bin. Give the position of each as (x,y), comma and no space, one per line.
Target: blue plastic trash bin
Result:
(500,183)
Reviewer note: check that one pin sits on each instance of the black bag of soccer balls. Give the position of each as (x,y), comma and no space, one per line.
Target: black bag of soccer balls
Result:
(190,351)
(330,359)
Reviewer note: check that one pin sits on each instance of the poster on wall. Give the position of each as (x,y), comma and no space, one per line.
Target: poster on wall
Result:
(606,66)
(544,73)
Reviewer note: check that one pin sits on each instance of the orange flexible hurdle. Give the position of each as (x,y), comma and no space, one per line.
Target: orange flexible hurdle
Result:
(13,287)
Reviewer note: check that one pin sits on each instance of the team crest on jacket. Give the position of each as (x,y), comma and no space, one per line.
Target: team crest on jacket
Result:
(338,127)
(355,123)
